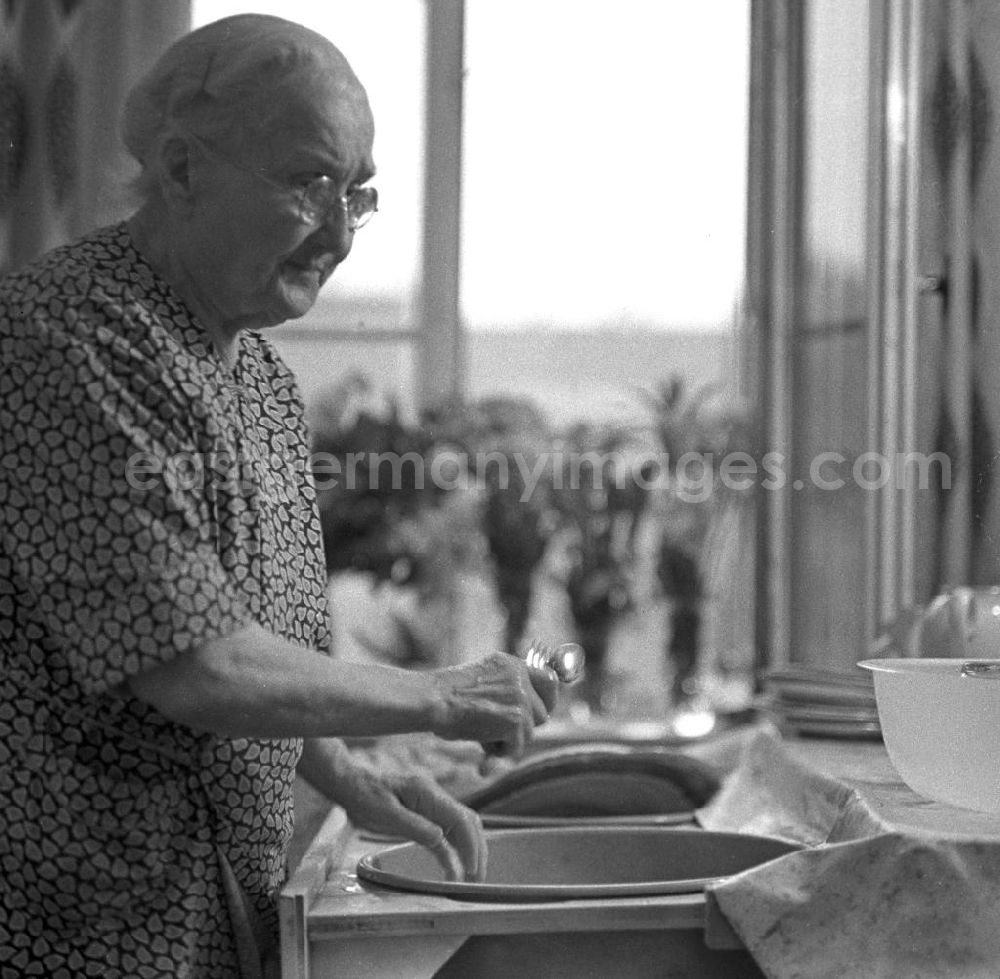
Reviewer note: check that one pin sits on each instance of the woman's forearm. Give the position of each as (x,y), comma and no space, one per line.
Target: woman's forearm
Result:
(254,684)
(323,764)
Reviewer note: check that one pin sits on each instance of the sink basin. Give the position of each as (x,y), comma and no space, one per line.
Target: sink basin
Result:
(601,784)
(582,862)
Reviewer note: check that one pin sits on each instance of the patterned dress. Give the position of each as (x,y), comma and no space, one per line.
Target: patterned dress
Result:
(150,500)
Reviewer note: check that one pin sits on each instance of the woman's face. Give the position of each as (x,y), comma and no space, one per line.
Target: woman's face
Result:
(256,261)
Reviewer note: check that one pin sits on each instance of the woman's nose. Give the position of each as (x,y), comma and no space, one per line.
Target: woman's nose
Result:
(335,234)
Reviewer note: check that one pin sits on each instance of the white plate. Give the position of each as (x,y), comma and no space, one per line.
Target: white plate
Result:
(822,713)
(578,862)
(841,730)
(496,821)
(809,692)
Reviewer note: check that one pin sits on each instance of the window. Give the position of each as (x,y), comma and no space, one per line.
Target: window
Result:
(604,155)
(599,167)
(605,149)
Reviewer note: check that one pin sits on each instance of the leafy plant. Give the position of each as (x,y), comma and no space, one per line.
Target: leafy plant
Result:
(598,508)
(366,505)
(693,433)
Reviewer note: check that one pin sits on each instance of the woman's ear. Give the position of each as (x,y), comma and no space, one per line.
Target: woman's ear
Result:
(175,171)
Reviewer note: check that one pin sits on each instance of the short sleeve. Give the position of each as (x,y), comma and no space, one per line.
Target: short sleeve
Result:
(106,524)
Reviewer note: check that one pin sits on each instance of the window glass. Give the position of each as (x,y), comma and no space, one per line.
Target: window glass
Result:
(605,157)
(604,183)
(834,162)
(831,391)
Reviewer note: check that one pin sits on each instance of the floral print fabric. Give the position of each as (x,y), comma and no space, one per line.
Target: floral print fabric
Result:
(149,501)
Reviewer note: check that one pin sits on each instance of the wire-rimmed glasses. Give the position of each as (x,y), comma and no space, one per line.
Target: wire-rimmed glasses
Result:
(317,197)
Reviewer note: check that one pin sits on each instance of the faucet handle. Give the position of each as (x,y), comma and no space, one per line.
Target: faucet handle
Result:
(566,661)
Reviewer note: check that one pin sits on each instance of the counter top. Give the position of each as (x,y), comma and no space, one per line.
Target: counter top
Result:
(890,884)
(815,791)
(854,777)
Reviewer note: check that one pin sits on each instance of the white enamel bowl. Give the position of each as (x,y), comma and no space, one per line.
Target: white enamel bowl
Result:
(940,721)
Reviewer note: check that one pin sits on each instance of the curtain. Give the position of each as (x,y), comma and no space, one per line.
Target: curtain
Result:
(984,174)
(65,68)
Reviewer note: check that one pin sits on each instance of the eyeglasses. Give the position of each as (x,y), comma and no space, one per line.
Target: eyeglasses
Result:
(317,198)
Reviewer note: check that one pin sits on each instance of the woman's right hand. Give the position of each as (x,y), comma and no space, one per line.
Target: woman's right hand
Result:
(496,700)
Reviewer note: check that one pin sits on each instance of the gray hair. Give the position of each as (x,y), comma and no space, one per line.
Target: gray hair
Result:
(214,82)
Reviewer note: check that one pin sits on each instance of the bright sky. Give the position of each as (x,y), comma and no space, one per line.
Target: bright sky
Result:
(605,154)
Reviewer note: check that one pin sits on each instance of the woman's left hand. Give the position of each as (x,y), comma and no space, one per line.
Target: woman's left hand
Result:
(417,808)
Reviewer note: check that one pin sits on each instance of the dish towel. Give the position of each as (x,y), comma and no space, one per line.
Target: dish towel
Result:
(863,900)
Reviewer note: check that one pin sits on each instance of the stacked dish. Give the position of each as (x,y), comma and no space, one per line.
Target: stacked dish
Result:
(821,703)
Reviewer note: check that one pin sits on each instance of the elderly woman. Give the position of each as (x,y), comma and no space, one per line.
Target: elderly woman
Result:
(162,597)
